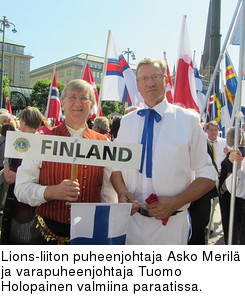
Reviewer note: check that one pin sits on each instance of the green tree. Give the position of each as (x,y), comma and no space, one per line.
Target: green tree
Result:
(6,91)
(40,91)
(111,108)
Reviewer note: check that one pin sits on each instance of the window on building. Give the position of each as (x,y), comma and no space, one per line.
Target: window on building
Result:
(14,48)
(22,75)
(6,59)
(22,62)
(5,73)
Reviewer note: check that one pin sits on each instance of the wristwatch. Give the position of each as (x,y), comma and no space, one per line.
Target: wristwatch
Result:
(5,161)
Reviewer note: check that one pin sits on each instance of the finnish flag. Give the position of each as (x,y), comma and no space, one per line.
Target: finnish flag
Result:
(99,223)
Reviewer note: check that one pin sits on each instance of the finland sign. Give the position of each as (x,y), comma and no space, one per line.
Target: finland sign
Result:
(72,150)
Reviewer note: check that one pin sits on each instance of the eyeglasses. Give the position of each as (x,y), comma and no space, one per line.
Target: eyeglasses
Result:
(81,98)
(154,78)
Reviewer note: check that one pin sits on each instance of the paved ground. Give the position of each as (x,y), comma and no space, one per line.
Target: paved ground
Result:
(216,237)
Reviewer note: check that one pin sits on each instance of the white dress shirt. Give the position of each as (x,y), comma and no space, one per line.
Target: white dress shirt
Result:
(179,156)
(220,144)
(240,182)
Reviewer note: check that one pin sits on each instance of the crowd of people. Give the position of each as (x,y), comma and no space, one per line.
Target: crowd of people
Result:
(183,169)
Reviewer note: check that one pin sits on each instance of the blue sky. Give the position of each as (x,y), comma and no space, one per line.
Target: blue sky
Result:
(53,30)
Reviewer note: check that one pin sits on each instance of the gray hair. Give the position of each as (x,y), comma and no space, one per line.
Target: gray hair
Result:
(79,85)
(230,137)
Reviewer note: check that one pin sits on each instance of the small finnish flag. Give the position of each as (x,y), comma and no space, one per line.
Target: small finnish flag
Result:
(99,223)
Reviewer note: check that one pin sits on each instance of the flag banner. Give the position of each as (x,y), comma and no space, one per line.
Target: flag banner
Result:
(236,34)
(185,88)
(231,83)
(226,122)
(214,108)
(119,81)
(170,87)
(201,97)
(99,223)
(88,76)
(53,109)
(72,150)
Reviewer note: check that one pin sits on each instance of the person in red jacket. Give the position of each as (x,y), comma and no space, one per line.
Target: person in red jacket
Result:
(48,185)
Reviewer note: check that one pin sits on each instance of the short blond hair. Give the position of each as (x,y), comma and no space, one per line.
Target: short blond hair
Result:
(152,61)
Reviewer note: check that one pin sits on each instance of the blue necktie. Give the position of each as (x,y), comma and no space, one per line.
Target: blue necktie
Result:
(147,138)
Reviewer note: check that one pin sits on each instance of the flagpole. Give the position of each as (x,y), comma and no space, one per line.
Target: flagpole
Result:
(238,117)
(50,91)
(220,57)
(103,73)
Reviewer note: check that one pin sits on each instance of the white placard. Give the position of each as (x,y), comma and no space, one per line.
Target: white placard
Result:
(72,150)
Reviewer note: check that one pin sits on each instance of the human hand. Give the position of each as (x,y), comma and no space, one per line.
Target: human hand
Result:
(163,208)
(226,150)
(236,155)
(127,197)
(67,190)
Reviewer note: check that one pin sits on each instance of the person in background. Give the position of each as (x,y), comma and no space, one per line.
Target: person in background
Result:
(131,108)
(177,172)
(102,125)
(115,124)
(5,118)
(5,128)
(200,210)
(3,184)
(48,185)
(225,191)
(218,143)
(18,216)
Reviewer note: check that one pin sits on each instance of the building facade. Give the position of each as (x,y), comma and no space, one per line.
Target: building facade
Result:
(16,66)
(71,68)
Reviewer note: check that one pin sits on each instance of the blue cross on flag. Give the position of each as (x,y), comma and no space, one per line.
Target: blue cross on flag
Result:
(99,223)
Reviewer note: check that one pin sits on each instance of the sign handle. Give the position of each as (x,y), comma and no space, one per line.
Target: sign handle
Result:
(74,172)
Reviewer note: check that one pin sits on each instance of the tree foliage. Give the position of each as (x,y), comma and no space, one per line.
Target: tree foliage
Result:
(6,91)
(40,92)
(111,108)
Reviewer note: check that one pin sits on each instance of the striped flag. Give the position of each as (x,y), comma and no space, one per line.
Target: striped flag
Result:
(119,80)
(99,223)
(231,83)
(214,109)
(170,86)
(88,76)
(53,109)
(201,97)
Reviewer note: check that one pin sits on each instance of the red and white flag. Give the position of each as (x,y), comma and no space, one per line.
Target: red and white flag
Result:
(87,75)
(185,87)
(170,87)
(53,109)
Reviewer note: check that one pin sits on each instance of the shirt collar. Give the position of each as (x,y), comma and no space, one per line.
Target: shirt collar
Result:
(160,107)
(76,133)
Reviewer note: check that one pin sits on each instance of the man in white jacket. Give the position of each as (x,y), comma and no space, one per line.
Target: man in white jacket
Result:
(178,171)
